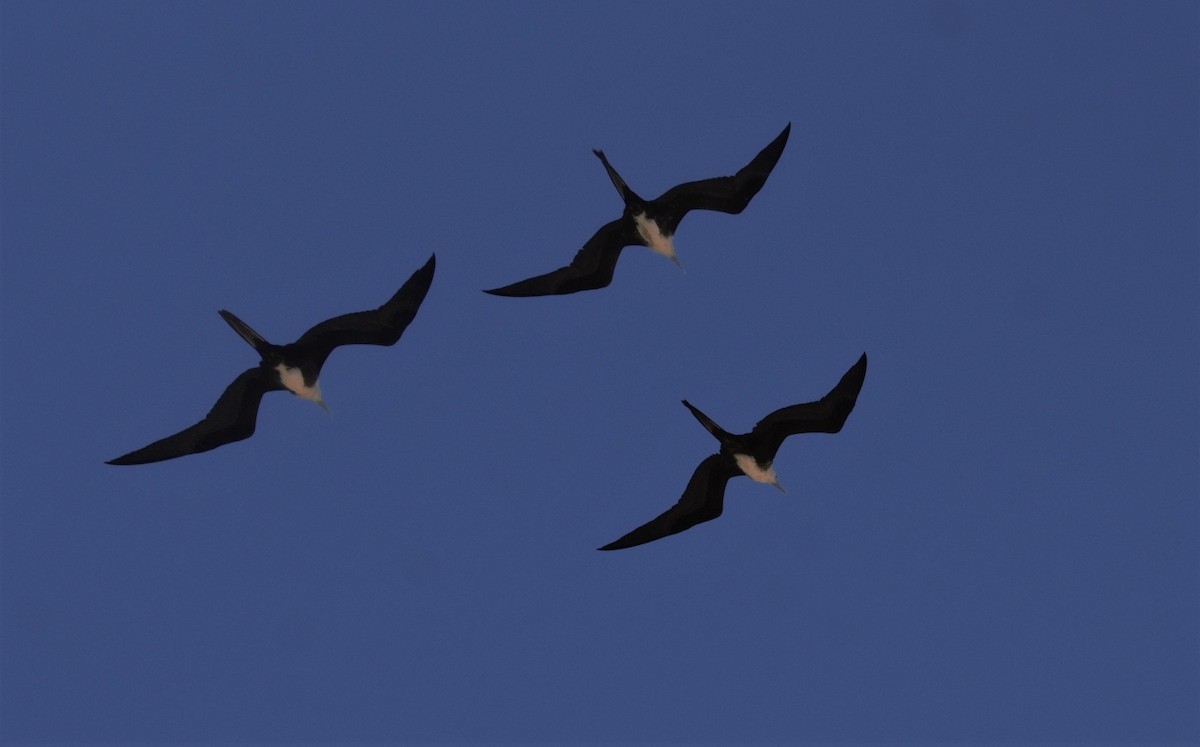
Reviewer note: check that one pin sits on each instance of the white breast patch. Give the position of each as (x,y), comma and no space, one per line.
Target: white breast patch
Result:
(294,381)
(648,230)
(746,464)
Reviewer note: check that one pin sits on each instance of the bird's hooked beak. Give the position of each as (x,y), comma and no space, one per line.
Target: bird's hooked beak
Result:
(781,488)
(316,396)
(678,264)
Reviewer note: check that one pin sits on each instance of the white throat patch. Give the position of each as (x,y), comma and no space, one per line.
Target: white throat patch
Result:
(648,230)
(746,464)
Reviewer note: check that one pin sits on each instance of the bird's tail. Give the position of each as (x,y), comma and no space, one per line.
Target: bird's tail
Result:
(257,341)
(720,433)
(627,195)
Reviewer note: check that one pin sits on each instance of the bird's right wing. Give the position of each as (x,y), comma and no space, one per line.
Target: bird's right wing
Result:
(591,268)
(231,419)
(381,326)
(702,501)
(826,415)
(725,194)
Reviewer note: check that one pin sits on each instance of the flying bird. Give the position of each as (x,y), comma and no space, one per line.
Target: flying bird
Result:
(750,454)
(294,367)
(650,223)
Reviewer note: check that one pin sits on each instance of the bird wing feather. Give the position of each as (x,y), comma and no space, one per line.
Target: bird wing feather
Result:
(826,415)
(702,501)
(381,326)
(231,419)
(591,268)
(725,194)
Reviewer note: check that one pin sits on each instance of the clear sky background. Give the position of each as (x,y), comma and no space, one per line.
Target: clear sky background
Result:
(998,202)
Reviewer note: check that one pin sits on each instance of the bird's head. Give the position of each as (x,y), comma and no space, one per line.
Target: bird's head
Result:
(313,394)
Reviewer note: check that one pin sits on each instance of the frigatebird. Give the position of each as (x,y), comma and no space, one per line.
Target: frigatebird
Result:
(294,367)
(750,454)
(650,223)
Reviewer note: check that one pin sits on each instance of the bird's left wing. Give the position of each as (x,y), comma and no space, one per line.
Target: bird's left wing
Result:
(591,268)
(231,419)
(702,501)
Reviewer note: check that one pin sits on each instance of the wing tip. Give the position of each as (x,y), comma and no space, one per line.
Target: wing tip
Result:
(852,381)
(126,459)
(620,544)
(782,138)
(503,292)
(422,278)
(860,367)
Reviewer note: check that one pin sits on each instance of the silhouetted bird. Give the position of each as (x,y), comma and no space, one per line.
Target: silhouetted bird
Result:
(650,223)
(749,454)
(293,367)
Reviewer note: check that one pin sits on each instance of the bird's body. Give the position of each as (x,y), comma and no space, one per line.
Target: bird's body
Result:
(293,380)
(294,367)
(654,239)
(751,454)
(650,223)
(764,473)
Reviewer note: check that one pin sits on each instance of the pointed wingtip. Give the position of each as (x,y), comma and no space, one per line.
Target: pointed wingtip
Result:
(424,275)
(780,141)
(859,370)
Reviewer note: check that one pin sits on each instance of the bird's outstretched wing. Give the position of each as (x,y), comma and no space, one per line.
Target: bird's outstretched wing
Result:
(725,194)
(702,501)
(381,326)
(827,415)
(231,419)
(591,268)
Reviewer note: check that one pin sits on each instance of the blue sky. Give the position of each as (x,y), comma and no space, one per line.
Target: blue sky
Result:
(996,201)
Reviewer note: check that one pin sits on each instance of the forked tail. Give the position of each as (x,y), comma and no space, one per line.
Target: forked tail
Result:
(629,197)
(257,341)
(720,433)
